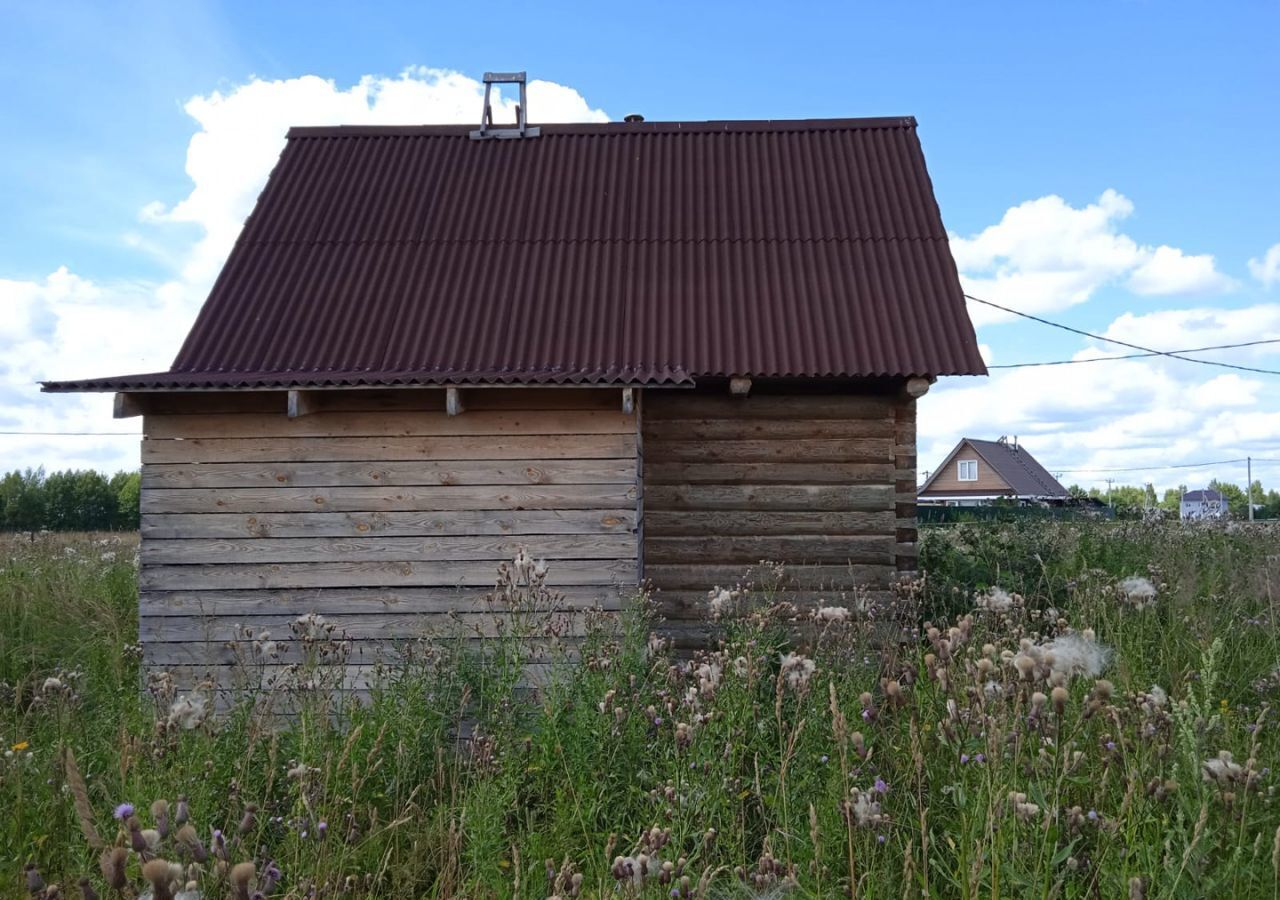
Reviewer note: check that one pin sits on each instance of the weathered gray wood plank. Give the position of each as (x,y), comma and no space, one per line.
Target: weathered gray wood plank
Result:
(851,450)
(270,576)
(657,471)
(674,405)
(473,622)
(684,605)
(669,523)
(379,548)
(390,474)
(379,499)
(351,601)
(383,449)
(688,577)
(798,498)
(723,549)
(219,654)
(389,524)
(392,424)
(740,429)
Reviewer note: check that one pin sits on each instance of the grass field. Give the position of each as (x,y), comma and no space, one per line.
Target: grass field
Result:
(1058,710)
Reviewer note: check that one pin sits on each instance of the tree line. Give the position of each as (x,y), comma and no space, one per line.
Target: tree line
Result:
(74,500)
(1132,498)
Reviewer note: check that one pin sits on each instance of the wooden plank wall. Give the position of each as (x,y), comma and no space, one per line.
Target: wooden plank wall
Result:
(824,483)
(379,512)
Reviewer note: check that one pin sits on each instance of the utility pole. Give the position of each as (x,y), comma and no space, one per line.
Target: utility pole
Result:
(1249,493)
(1109,480)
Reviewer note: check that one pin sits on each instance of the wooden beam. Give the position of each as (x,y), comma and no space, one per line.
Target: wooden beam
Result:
(628,400)
(453,401)
(740,387)
(301,403)
(916,388)
(126,406)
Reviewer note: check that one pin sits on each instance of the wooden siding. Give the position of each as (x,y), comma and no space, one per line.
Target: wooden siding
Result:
(379,512)
(947,482)
(824,483)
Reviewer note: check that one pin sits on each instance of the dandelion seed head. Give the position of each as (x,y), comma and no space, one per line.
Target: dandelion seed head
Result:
(1137,591)
(1077,655)
(996,600)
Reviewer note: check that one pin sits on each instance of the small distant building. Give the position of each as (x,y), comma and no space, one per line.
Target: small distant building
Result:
(1205,504)
(977,473)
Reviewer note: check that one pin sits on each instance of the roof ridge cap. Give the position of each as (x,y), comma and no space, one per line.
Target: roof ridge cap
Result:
(674,126)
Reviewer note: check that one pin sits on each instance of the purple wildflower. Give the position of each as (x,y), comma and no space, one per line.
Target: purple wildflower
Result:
(964,758)
(880,838)
(123,811)
(1110,745)
(1093,815)
(980,758)
(823,759)
(881,787)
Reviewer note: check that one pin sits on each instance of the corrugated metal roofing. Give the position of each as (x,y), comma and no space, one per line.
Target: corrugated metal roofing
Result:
(1020,470)
(637,253)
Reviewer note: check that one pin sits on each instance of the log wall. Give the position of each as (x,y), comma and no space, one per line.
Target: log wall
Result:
(378,511)
(824,483)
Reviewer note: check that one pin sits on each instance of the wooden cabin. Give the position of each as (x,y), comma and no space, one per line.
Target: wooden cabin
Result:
(648,352)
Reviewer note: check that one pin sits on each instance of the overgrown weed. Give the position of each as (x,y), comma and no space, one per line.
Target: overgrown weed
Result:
(1058,710)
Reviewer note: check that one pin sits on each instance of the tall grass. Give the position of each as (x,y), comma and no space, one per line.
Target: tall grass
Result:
(1022,722)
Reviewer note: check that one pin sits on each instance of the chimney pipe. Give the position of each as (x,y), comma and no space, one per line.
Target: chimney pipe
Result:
(633,118)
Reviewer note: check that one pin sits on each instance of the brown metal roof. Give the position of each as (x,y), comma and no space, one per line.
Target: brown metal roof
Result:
(636,253)
(1020,470)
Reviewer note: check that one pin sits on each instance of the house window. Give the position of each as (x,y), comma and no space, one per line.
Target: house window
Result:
(968,469)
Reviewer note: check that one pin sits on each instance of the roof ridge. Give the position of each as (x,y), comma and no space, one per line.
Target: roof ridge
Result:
(707,126)
(498,242)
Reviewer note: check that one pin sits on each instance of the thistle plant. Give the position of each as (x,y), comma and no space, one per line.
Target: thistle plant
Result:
(1064,709)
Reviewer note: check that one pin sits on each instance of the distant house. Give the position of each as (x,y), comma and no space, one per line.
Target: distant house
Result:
(978,472)
(1206,504)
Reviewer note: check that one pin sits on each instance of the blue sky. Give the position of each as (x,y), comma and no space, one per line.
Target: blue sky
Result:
(1170,107)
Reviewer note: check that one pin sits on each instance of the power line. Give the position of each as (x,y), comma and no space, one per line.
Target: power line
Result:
(1095,359)
(1159,467)
(1144,350)
(1202,465)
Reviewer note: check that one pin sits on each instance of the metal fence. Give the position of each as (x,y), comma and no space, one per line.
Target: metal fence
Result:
(950,515)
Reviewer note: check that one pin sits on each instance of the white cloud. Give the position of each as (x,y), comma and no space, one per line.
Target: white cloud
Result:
(1046,255)
(1167,270)
(1174,329)
(1267,269)
(70,326)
